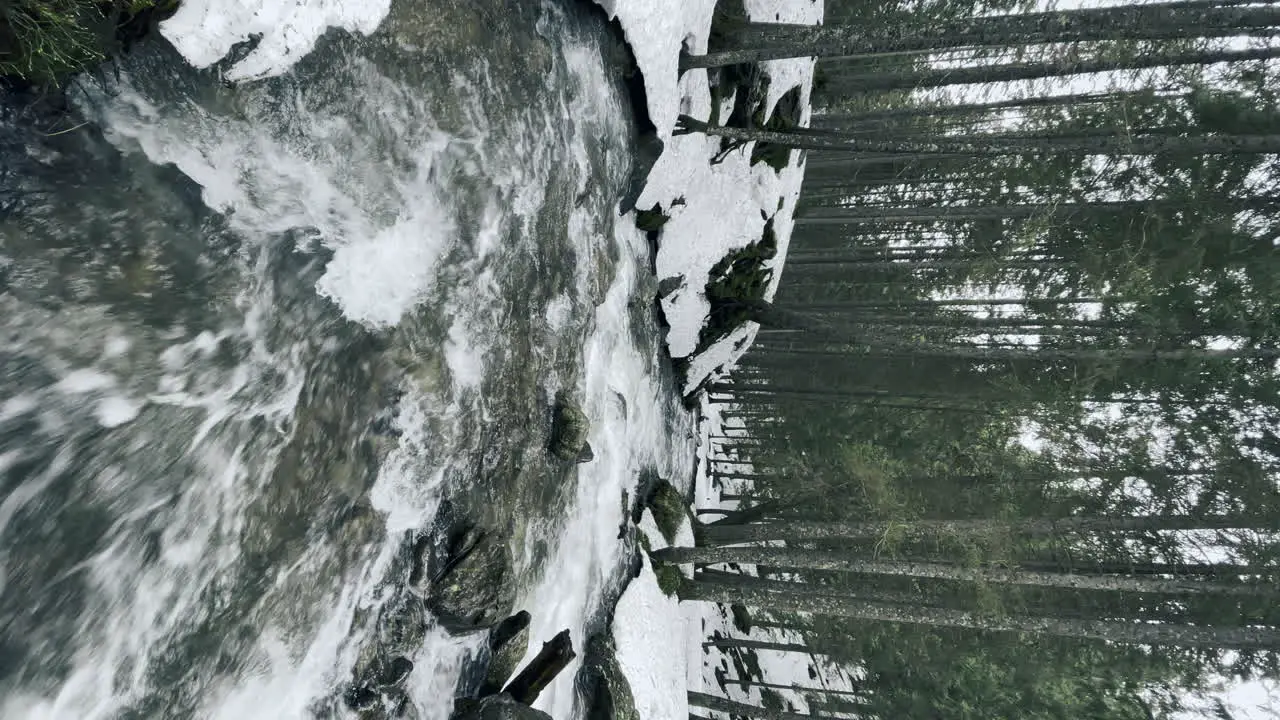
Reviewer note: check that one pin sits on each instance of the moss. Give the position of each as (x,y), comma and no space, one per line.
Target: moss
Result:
(644,543)
(669,510)
(46,41)
(669,578)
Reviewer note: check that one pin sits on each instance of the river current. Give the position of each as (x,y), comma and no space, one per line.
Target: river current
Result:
(256,332)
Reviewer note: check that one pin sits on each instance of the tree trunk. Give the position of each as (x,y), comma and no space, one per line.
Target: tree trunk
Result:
(776,41)
(996,145)
(759,645)
(1239,638)
(824,560)
(712,702)
(726,534)
(797,688)
(542,669)
(977,74)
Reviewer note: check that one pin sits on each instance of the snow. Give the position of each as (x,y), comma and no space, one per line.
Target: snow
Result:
(649,630)
(782,668)
(713,209)
(205,31)
(656,30)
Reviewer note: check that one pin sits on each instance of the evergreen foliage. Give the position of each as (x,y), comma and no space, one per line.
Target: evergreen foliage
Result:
(46,41)
(1014,451)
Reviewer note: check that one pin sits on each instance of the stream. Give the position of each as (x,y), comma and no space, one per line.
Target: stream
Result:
(258,332)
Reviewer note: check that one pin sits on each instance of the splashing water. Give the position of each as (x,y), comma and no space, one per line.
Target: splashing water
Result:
(258,334)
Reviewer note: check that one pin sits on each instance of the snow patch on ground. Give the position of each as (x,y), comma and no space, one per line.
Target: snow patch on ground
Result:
(649,630)
(714,209)
(780,668)
(656,31)
(204,31)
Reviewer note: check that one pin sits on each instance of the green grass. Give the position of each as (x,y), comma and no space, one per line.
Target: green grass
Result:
(46,41)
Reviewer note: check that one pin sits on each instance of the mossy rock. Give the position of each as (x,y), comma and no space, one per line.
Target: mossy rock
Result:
(495,707)
(669,509)
(476,587)
(569,430)
(669,578)
(602,683)
(508,643)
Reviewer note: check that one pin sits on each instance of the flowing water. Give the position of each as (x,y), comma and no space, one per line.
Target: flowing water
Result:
(256,334)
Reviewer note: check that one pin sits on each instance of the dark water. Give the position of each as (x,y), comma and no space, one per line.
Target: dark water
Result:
(255,334)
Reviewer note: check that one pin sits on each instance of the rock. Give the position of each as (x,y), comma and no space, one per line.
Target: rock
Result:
(476,586)
(669,285)
(602,685)
(394,671)
(586,454)
(669,509)
(420,571)
(569,429)
(361,697)
(496,707)
(508,642)
(402,625)
(648,149)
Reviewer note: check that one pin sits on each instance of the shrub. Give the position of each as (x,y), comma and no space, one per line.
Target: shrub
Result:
(45,41)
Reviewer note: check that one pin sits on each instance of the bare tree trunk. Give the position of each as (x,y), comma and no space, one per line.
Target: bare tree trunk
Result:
(555,655)
(712,702)
(797,688)
(823,560)
(759,645)
(725,534)
(1240,638)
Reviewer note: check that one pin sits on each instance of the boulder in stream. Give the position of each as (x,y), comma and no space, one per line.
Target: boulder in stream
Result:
(569,429)
(496,707)
(508,642)
(475,587)
(602,683)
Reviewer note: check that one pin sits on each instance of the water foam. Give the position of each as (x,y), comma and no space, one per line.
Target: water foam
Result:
(276,173)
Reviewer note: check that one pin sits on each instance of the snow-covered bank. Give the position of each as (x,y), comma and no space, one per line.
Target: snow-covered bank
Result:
(708,669)
(713,209)
(650,626)
(205,31)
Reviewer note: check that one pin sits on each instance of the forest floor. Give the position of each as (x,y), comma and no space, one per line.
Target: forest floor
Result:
(713,208)
(713,204)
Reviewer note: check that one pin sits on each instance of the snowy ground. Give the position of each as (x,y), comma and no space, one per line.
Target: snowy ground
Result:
(781,668)
(650,630)
(714,209)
